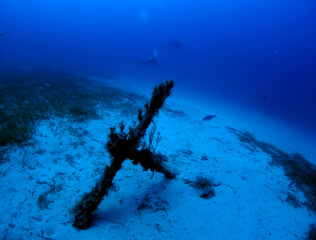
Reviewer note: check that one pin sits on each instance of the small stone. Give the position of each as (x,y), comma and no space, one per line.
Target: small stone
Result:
(204,157)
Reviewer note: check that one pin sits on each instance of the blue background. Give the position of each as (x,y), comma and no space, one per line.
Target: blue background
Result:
(237,51)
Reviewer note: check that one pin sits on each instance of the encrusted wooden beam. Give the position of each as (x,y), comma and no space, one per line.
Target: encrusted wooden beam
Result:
(124,146)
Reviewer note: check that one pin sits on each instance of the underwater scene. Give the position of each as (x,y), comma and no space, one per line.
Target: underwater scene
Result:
(161,119)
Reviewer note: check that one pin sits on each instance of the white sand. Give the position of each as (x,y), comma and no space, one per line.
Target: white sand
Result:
(42,181)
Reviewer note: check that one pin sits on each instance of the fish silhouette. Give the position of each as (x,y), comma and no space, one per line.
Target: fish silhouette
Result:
(176,45)
(151,60)
(209,117)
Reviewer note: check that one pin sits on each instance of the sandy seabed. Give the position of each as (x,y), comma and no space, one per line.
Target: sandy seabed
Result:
(42,181)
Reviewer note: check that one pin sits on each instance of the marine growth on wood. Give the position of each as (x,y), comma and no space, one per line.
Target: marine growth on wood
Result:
(122,146)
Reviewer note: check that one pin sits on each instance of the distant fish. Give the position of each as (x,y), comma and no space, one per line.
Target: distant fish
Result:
(264,98)
(151,60)
(176,45)
(209,117)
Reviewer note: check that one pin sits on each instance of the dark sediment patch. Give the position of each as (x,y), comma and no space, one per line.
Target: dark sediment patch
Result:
(301,172)
(311,233)
(174,113)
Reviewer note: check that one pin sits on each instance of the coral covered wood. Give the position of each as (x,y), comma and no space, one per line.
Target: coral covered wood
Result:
(126,146)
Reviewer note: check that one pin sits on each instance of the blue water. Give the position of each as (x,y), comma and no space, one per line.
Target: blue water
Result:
(239,51)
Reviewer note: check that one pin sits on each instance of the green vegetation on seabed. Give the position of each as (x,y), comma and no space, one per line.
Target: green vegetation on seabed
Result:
(204,185)
(30,95)
(301,172)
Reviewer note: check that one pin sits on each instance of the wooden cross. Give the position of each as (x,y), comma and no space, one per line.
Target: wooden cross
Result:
(124,146)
